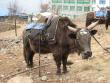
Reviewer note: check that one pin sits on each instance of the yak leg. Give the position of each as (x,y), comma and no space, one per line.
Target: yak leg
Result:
(106,26)
(57,59)
(28,55)
(106,23)
(64,60)
(31,59)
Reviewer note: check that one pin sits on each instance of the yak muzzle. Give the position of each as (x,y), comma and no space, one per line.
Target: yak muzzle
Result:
(86,55)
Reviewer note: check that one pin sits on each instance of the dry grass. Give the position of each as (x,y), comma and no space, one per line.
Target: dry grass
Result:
(94,70)
(7,26)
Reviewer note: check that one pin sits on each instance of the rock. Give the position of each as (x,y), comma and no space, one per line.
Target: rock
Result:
(3,50)
(20,79)
(23,62)
(0,60)
(61,79)
(44,78)
(69,67)
(2,76)
(45,57)
(48,72)
(27,68)
(17,41)
(18,69)
(102,78)
(67,77)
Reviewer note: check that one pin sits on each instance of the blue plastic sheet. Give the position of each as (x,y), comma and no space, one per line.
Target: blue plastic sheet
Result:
(101,13)
(35,26)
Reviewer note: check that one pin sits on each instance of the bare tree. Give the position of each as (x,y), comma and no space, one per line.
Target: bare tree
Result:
(55,10)
(14,10)
(44,7)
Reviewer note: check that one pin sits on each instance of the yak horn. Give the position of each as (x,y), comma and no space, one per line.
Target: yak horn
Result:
(91,26)
(72,29)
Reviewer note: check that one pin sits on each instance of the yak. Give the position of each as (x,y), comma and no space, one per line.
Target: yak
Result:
(102,20)
(68,39)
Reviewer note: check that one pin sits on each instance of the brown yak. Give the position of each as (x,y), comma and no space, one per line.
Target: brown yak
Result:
(68,39)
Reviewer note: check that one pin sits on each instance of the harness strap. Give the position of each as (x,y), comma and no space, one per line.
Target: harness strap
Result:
(56,28)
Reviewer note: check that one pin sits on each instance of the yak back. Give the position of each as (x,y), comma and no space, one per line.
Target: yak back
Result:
(57,29)
(51,30)
(46,34)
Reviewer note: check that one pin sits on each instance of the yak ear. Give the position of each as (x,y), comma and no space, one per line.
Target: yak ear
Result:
(93,32)
(72,35)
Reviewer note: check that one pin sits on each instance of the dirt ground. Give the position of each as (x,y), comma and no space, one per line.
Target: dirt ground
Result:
(94,70)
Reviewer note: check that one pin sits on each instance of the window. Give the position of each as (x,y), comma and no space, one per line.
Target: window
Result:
(60,7)
(86,9)
(66,1)
(54,1)
(53,6)
(63,14)
(86,0)
(59,1)
(101,1)
(83,1)
(79,1)
(79,8)
(72,1)
(93,1)
(75,16)
(72,8)
(65,7)
(93,9)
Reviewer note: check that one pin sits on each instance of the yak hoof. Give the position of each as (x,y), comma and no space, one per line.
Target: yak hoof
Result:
(65,71)
(29,66)
(106,28)
(58,73)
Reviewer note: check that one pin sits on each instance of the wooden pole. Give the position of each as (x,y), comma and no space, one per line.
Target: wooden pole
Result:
(15,26)
(39,55)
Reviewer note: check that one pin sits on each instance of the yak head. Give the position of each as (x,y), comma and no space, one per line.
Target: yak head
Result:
(82,38)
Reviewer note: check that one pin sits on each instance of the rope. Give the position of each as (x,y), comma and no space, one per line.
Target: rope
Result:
(101,45)
(12,75)
(39,54)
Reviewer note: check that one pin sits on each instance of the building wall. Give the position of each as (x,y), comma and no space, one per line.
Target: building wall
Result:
(72,8)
